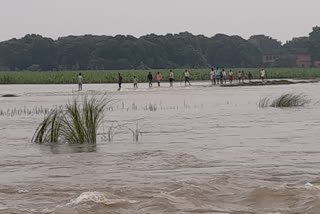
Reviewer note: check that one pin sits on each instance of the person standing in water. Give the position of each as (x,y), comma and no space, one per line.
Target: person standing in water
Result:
(221,76)
(239,76)
(120,82)
(224,76)
(150,79)
(242,76)
(159,77)
(135,82)
(230,76)
(80,81)
(250,76)
(218,75)
(186,77)
(262,74)
(213,76)
(171,78)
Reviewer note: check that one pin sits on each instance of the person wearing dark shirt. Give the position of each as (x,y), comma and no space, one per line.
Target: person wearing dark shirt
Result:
(120,81)
(250,76)
(150,79)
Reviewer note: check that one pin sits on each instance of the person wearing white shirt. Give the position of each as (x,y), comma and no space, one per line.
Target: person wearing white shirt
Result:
(186,77)
(80,81)
(171,78)
(262,75)
(135,82)
(224,75)
(213,74)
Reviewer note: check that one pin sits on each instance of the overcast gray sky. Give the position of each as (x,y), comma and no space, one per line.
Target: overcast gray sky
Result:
(281,19)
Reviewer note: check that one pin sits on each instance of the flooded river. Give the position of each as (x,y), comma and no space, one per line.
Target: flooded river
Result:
(202,150)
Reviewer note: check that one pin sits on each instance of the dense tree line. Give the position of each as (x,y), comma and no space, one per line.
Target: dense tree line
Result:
(89,52)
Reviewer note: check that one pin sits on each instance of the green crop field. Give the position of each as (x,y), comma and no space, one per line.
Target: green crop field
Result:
(69,77)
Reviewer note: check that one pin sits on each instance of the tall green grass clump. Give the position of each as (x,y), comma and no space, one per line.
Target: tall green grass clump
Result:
(264,102)
(77,123)
(49,129)
(285,100)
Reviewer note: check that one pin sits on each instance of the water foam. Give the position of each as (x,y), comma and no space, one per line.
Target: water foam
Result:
(21,191)
(101,198)
(311,186)
(4,208)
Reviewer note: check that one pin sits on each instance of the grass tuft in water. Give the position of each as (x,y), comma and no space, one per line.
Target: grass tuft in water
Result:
(285,100)
(78,123)
(264,102)
(49,129)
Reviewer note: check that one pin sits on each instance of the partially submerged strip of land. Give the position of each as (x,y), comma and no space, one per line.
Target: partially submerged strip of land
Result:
(70,77)
(269,82)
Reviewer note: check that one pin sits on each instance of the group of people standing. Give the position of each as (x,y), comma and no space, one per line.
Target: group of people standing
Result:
(158,79)
(217,76)
(220,76)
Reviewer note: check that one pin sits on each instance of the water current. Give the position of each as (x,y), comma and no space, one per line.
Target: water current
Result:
(201,150)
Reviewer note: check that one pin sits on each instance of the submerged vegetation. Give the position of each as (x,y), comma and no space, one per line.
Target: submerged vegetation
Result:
(49,129)
(133,127)
(285,100)
(77,123)
(24,111)
(42,110)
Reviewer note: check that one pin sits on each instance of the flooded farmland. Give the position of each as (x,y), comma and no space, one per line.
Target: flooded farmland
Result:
(200,150)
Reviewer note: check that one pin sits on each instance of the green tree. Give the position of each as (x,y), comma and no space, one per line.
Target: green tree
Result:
(266,44)
(314,38)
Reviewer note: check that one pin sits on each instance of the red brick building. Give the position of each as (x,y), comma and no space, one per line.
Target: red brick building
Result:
(270,58)
(316,64)
(302,61)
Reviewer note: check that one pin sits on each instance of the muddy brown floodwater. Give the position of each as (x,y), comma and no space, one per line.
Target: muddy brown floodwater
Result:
(202,150)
